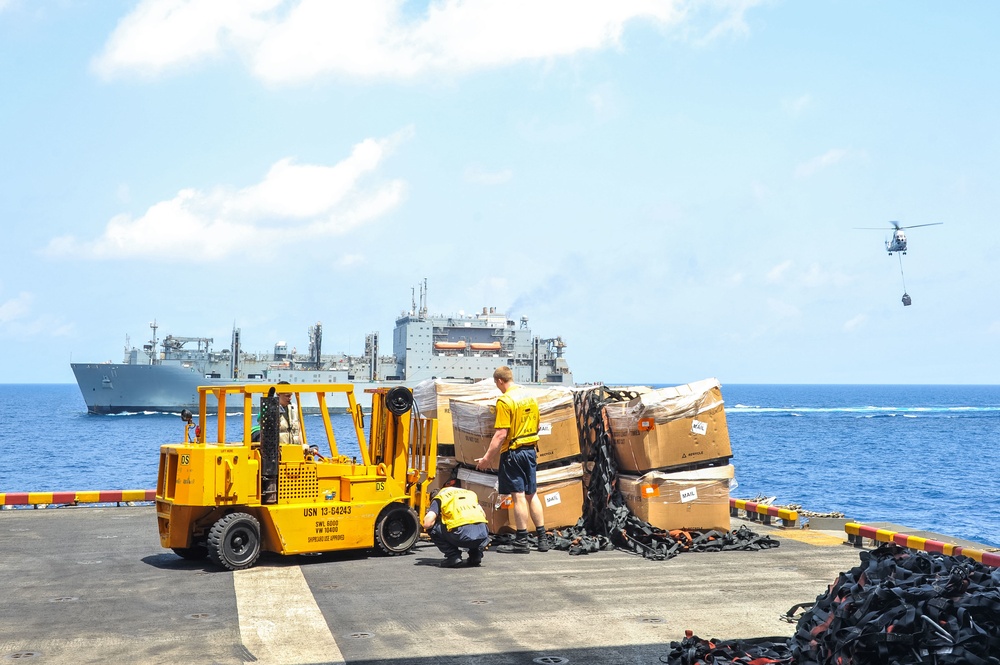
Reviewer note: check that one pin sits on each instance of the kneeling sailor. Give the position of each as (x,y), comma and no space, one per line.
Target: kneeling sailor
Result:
(455,521)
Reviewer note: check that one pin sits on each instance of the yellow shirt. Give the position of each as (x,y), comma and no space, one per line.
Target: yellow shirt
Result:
(459,507)
(517,412)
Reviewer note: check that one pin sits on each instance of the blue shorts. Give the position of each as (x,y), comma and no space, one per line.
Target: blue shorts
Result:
(517,471)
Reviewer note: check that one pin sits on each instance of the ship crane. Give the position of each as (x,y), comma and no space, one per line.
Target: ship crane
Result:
(175,343)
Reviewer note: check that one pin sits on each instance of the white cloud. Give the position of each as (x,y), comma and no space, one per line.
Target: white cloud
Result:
(481,176)
(776,273)
(855,323)
(15,308)
(816,275)
(293,203)
(796,106)
(733,21)
(351,260)
(293,41)
(829,158)
(783,310)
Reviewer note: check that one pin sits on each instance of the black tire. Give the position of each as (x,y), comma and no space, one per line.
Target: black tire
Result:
(234,541)
(396,529)
(196,553)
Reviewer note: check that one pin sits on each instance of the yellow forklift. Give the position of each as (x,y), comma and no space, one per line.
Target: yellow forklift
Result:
(231,500)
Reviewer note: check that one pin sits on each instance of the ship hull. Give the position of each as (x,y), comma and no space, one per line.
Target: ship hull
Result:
(110,388)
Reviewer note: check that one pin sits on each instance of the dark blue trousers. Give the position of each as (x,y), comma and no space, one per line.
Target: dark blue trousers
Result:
(471,537)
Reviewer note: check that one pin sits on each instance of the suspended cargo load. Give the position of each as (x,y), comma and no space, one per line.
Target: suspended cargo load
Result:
(683,426)
(695,500)
(559,489)
(473,423)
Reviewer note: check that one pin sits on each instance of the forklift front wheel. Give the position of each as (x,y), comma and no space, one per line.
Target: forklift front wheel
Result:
(234,541)
(397,529)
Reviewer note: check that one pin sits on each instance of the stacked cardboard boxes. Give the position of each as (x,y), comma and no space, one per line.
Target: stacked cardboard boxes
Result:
(560,490)
(431,399)
(672,448)
(558,439)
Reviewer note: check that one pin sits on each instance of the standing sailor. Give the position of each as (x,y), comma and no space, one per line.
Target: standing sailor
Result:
(515,440)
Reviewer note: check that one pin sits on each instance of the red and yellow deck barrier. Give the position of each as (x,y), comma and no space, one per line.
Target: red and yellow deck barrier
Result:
(856,533)
(74,498)
(759,511)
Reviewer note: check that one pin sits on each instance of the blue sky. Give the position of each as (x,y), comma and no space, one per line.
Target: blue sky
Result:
(672,187)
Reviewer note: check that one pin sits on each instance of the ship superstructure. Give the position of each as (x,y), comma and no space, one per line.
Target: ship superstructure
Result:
(164,375)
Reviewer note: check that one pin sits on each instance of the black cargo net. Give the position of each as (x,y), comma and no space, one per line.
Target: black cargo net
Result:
(898,607)
(607,523)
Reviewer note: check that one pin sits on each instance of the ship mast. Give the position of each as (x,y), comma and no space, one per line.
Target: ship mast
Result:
(152,345)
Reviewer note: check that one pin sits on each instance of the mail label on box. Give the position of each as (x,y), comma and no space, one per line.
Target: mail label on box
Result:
(689,494)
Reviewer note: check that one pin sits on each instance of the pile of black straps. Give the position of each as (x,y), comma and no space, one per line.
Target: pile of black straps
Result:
(899,607)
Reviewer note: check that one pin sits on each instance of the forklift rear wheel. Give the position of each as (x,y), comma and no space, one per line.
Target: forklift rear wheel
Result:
(196,553)
(234,541)
(397,529)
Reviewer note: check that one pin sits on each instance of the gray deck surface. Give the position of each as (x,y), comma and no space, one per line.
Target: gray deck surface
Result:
(93,585)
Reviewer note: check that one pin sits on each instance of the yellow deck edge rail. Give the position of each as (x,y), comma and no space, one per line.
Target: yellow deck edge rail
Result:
(74,498)
(759,511)
(856,533)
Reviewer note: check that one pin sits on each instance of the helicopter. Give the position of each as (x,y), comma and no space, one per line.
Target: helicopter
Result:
(898,241)
(898,244)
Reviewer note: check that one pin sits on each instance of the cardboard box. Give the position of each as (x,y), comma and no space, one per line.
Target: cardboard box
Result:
(671,427)
(690,500)
(560,491)
(473,423)
(431,398)
(445,470)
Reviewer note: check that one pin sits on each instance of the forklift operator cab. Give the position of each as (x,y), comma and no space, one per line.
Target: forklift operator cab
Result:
(231,500)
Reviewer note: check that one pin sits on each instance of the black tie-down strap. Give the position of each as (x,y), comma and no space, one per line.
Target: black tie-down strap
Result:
(693,650)
(607,523)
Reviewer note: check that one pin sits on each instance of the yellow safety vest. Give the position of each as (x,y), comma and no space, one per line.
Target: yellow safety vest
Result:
(517,412)
(459,507)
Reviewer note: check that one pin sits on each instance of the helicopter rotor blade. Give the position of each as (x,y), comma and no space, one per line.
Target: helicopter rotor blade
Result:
(896,224)
(919,225)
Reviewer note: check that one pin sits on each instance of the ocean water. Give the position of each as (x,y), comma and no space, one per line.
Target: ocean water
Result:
(921,456)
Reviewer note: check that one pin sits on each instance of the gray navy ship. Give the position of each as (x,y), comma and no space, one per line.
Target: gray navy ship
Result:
(164,375)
